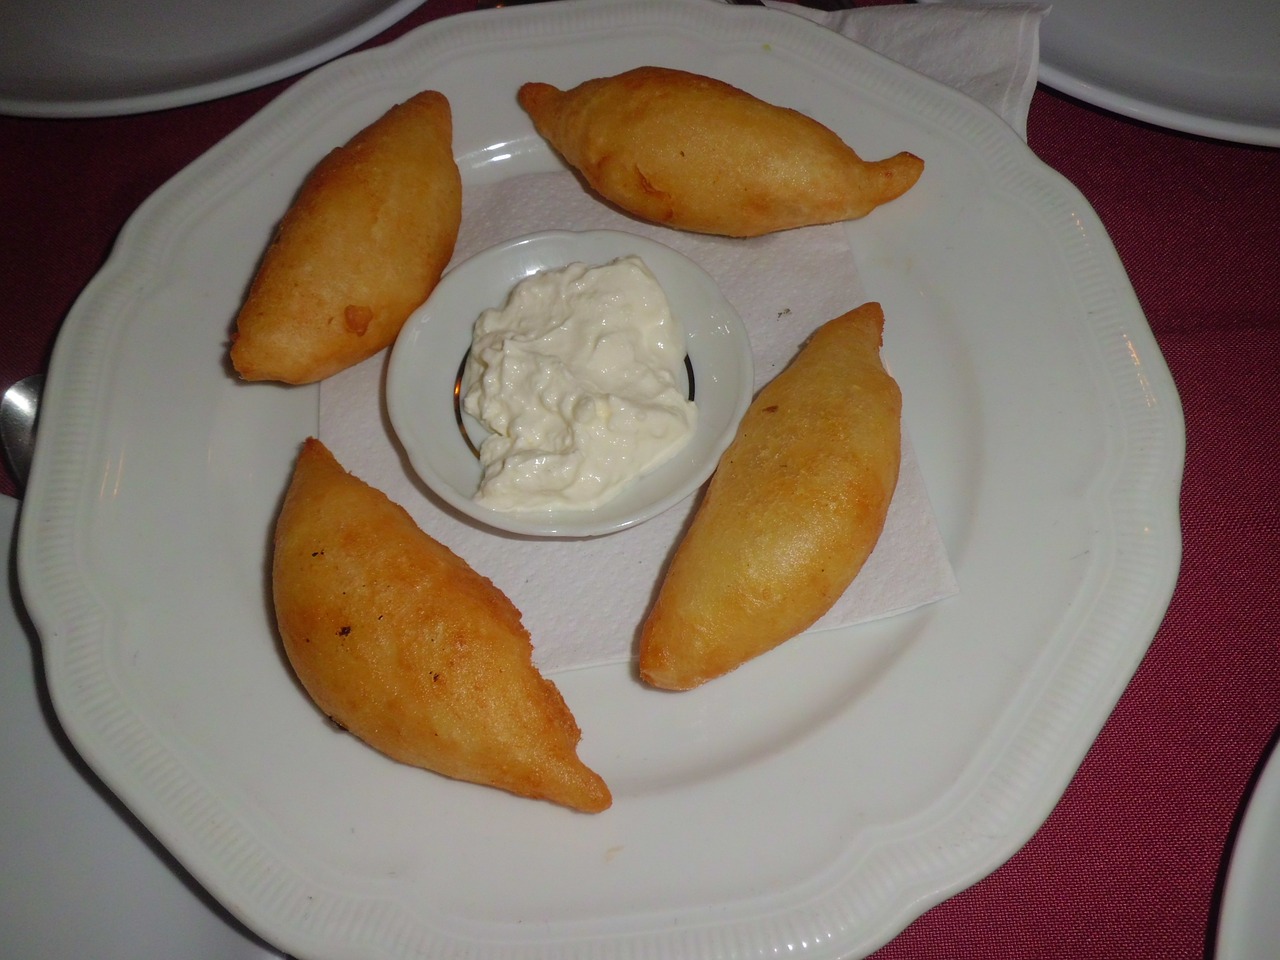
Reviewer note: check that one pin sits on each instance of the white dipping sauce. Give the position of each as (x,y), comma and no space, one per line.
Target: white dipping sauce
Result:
(576,377)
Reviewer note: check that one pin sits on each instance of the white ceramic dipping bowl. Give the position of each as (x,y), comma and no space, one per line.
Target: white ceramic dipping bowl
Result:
(428,353)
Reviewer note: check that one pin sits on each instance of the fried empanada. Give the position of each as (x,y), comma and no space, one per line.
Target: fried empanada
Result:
(360,248)
(792,512)
(401,643)
(697,154)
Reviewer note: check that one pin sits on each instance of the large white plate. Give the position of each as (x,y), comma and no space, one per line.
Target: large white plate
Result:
(815,801)
(1206,68)
(1249,923)
(67,58)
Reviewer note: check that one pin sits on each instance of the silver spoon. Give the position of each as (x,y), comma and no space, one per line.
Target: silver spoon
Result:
(18,410)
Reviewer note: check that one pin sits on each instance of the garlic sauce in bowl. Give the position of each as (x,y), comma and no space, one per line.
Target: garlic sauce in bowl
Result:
(576,377)
(625,441)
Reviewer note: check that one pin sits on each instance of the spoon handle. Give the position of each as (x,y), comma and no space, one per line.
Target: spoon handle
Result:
(19,408)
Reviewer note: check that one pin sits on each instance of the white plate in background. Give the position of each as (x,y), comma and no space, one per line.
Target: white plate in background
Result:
(813,802)
(1249,922)
(1206,68)
(67,58)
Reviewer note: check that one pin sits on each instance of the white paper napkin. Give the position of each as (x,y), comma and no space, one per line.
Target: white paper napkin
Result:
(583,601)
(990,51)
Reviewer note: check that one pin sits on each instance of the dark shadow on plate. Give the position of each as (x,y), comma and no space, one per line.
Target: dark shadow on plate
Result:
(91,779)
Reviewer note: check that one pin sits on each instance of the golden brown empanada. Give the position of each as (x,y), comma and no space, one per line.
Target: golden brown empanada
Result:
(400,642)
(362,245)
(791,514)
(694,153)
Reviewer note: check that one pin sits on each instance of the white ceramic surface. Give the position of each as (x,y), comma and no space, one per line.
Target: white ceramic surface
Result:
(425,360)
(66,58)
(81,877)
(814,802)
(1249,922)
(1204,68)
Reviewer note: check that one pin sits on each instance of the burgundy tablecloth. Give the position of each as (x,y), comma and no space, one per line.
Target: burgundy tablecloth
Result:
(1131,861)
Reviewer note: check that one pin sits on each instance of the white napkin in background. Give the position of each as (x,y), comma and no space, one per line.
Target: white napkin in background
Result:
(583,601)
(990,52)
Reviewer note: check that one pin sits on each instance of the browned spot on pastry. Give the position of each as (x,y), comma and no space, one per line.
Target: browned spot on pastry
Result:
(357,319)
